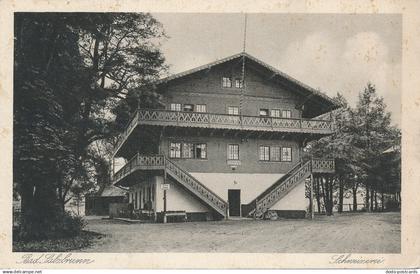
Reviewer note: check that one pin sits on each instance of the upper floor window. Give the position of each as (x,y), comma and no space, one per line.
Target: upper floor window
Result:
(286,154)
(176,107)
(275,154)
(188,107)
(264,153)
(263,112)
(286,114)
(233,110)
(201,151)
(233,152)
(275,113)
(175,150)
(226,82)
(201,108)
(187,150)
(239,83)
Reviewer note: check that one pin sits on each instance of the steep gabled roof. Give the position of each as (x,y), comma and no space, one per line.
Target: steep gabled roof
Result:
(277,73)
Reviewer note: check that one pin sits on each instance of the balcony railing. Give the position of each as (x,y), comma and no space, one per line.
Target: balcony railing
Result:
(224,121)
(142,162)
(323,166)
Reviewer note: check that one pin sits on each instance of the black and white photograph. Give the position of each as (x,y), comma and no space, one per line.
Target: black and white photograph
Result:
(138,132)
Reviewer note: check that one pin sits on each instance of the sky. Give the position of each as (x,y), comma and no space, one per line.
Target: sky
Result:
(330,52)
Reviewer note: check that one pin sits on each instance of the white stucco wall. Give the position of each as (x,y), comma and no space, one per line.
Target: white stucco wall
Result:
(251,185)
(177,198)
(294,200)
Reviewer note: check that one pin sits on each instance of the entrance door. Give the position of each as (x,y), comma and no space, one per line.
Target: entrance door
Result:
(234,197)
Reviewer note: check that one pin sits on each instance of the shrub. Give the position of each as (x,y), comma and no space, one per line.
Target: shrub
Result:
(392,205)
(72,225)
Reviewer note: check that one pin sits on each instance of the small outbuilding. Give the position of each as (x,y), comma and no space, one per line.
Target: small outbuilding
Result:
(99,204)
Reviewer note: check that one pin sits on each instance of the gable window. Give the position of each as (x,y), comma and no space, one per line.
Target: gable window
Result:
(201,108)
(233,110)
(226,82)
(201,151)
(176,107)
(233,152)
(286,154)
(263,112)
(275,113)
(286,114)
(264,153)
(275,154)
(187,150)
(175,150)
(188,107)
(239,83)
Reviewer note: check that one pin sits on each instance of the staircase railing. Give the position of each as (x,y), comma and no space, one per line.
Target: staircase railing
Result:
(196,187)
(278,190)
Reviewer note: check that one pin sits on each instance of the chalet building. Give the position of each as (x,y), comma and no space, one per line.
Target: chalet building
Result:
(228,142)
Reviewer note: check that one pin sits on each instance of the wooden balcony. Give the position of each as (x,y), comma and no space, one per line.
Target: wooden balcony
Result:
(139,162)
(323,166)
(224,121)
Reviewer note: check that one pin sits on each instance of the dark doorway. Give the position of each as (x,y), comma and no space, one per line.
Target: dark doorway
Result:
(234,197)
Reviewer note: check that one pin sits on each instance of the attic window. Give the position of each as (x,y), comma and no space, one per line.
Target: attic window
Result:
(226,82)
(239,83)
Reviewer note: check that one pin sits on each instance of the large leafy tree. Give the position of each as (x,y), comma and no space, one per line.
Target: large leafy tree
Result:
(71,71)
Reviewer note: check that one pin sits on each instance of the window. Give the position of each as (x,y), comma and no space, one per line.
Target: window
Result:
(187,150)
(175,150)
(286,154)
(188,107)
(264,153)
(275,113)
(233,110)
(286,114)
(226,82)
(201,108)
(233,152)
(239,83)
(275,154)
(176,107)
(263,112)
(201,151)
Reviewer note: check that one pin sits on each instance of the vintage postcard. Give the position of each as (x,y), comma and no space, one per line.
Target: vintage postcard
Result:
(207,134)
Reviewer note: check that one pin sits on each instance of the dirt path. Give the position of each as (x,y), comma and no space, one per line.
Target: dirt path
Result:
(358,233)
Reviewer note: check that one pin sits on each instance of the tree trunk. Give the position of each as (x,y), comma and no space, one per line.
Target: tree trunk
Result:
(371,199)
(354,190)
(340,196)
(367,199)
(318,199)
(376,201)
(382,201)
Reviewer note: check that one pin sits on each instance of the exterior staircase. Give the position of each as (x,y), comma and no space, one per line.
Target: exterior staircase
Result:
(261,204)
(196,187)
(160,162)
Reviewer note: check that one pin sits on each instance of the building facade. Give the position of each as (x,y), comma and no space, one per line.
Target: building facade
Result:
(228,142)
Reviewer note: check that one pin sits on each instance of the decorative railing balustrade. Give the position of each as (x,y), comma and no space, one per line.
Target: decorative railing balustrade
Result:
(323,166)
(196,187)
(221,121)
(299,172)
(140,162)
(156,162)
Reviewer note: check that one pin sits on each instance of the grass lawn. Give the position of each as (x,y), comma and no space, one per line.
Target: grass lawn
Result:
(341,233)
